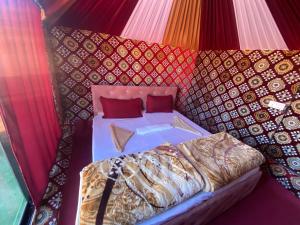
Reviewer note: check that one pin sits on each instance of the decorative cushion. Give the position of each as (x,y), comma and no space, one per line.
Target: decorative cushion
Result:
(159,103)
(121,108)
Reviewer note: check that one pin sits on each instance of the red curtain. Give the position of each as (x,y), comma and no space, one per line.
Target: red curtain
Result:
(106,16)
(218,30)
(26,97)
(52,6)
(286,13)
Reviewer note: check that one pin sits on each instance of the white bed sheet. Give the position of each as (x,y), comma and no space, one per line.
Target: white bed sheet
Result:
(104,148)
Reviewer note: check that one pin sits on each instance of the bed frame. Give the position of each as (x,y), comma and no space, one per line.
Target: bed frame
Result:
(223,198)
(127,92)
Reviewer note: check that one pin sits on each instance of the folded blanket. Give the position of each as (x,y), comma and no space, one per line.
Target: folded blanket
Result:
(221,158)
(153,128)
(181,124)
(132,188)
(120,136)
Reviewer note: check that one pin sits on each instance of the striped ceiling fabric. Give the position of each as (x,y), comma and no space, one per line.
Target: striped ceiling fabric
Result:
(148,21)
(287,16)
(106,16)
(218,26)
(190,24)
(256,26)
(183,27)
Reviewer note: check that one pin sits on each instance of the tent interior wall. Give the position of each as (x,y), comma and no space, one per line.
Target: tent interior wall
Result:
(228,59)
(222,90)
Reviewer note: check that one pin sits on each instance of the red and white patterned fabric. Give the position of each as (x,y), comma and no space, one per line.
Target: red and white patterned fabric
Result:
(220,90)
(83,58)
(233,91)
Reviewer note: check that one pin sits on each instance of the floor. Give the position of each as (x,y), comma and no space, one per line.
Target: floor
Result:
(12,199)
(269,203)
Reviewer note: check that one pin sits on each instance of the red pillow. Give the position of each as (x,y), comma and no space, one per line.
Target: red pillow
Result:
(121,108)
(159,103)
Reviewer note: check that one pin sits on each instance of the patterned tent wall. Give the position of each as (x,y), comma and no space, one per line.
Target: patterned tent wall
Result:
(220,90)
(83,58)
(233,90)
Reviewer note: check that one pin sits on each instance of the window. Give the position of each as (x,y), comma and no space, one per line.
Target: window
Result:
(15,204)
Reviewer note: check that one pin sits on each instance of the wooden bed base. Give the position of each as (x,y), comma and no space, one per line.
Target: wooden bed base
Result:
(222,200)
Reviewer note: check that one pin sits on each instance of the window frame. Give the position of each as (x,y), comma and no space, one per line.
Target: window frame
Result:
(27,217)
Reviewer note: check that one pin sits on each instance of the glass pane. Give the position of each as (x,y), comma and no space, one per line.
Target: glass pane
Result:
(12,199)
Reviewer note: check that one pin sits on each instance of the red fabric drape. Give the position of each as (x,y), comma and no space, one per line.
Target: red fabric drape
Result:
(54,9)
(218,30)
(26,97)
(106,16)
(52,6)
(286,13)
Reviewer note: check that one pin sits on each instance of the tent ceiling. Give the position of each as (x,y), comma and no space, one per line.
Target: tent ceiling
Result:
(193,24)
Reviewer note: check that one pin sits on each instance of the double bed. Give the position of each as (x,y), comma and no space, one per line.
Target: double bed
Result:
(199,208)
(102,136)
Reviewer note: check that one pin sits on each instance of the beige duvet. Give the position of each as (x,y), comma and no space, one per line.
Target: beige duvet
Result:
(135,187)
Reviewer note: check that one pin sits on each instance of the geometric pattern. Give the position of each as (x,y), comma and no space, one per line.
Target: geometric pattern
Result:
(219,90)
(233,90)
(48,212)
(82,58)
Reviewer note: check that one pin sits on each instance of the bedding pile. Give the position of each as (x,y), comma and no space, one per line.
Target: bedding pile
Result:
(135,187)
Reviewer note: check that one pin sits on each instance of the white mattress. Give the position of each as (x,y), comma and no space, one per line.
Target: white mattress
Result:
(103,147)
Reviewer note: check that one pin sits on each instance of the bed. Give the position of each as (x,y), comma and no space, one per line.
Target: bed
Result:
(102,140)
(207,204)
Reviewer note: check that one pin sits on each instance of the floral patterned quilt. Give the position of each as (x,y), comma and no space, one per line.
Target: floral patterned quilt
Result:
(135,187)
